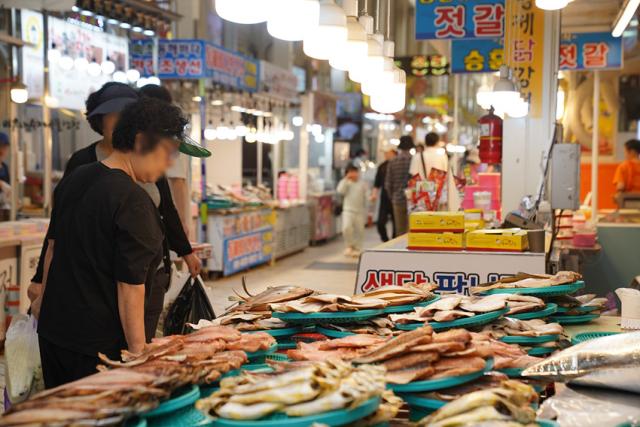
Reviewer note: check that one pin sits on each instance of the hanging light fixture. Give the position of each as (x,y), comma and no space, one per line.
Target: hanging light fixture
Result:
(66,63)
(551,4)
(94,69)
(154,80)
(108,67)
(133,75)
(290,20)
(356,49)
(19,93)
(504,94)
(81,64)
(330,34)
(624,17)
(210,132)
(483,96)
(518,110)
(394,99)
(53,54)
(120,77)
(51,101)
(244,11)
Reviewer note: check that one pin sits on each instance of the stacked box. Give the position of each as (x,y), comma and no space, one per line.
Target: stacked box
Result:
(436,231)
(507,240)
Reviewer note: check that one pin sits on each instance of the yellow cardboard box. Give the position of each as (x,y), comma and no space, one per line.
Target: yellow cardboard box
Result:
(436,241)
(437,222)
(471,225)
(507,240)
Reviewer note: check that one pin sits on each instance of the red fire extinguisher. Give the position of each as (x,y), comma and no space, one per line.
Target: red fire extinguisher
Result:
(490,138)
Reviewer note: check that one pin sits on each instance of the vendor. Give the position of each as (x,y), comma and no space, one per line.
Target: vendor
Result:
(627,177)
(104,237)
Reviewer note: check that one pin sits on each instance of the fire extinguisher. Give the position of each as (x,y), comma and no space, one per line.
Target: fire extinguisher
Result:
(490,138)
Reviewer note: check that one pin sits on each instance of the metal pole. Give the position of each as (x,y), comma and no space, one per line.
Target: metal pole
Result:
(46,118)
(259,163)
(456,108)
(595,152)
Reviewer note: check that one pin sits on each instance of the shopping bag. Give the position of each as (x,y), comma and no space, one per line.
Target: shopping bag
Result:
(191,305)
(23,370)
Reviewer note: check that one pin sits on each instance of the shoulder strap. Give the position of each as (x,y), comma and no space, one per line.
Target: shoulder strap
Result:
(424,165)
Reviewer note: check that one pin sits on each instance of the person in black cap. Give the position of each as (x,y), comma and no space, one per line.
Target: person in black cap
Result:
(104,237)
(103,111)
(396,182)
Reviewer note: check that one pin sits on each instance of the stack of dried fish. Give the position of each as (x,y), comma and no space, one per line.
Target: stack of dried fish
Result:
(330,303)
(381,326)
(403,295)
(244,322)
(522,328)
(505,356)
(342,348)
(307,390)
(530,281)
(506,405)
(107,397)
(571,306)
(453,307)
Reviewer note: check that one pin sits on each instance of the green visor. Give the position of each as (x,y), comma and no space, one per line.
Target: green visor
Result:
(191,148)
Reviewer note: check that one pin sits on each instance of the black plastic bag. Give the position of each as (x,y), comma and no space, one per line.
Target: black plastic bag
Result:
(191,305)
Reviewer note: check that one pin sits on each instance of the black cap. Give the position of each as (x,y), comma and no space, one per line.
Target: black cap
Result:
(113,99)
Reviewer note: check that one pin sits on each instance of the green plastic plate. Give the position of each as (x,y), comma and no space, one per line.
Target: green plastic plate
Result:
(547,311)
(332,333)
(478,320)
(289,345)
(586,336)
(547,423)
(335,317)
(549,291)
(512,372)
(440,383)
(332,418)
(514,339)
(541,351)
(422,402)
(409,307)
(285,332)
(187,397)
(574,320)
(136,422)
(416,413)
(262,353)
(587,309)
(278,357)
(185,417)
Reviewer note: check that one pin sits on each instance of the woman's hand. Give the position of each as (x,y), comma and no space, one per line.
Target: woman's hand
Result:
(193,263)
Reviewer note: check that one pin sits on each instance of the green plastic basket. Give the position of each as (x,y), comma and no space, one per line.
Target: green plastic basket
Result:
(587,309)
(440,383)
(574,320)
(322,317)
(480,319)
(332,418)
(289,345)
(515,339)
(184,397)
(332,333)
(587,336)
(259,356)
(541,351)
(277,333)
(549,291)
(278,357)
(512,372)
(546,312)
(410,307)
(416,401)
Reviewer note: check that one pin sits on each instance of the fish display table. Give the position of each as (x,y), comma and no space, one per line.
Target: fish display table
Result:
(454,271)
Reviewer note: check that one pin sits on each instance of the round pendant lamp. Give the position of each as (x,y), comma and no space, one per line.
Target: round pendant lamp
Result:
(356,48)
(290,20)
(244,11)
(330,34)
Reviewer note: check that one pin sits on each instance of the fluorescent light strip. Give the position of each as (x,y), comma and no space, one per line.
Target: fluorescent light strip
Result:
(624,17)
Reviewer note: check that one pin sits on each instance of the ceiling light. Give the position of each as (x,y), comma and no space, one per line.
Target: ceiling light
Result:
(297,121)
(393,99)
(196,98)
(108,67)
(408,128)
(504,94)
(51,101)
(218,102)
(94,69)
(120,77)
(551,4)
(81,63)
(244,11)
(518,110)
(359,70)
(329,35)
(241,130)
(66,62)
(86,12)
(125,25)
(149,33)
(210,133)
(483,97)
(53,55)
(154,80)
(113,21)
(19,93)
(251,137)
(142,81)
(133,75)
(136,29)
(560,104)
(356,49)
(624,17)
(319,138)
(75,9)
(292,19)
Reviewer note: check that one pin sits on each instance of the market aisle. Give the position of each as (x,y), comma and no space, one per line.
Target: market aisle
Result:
(322,268)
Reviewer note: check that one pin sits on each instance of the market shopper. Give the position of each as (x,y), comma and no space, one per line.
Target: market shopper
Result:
(385,210)
(396,183)
(104,237)
(354,205)
(5,178)
(430,157)
(627,176)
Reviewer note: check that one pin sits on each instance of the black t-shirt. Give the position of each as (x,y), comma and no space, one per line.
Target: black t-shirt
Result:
(106,230)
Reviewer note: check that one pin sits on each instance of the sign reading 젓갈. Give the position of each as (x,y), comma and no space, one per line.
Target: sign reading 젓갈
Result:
(459,19)
(453,272)
(578,52)
(423,65)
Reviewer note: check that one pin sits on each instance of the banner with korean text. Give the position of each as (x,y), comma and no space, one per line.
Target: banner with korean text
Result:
(459,19)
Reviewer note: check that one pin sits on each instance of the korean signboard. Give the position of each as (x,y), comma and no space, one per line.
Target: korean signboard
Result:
(196,59)
(243,252)
(590,51)
(424,65)
(459,19)
(453,272)
(33,54)
(278,81)
(578,52)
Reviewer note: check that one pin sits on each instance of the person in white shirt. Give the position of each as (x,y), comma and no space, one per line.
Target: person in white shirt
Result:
(432,157)
(354,204)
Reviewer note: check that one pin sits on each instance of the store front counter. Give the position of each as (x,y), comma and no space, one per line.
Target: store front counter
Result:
(454,271)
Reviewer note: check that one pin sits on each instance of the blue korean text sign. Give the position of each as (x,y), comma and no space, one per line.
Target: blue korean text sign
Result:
(476,56)
(590,51)
(181,59)
(459,19)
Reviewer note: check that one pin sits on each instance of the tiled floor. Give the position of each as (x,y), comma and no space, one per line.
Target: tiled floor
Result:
(323,268)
